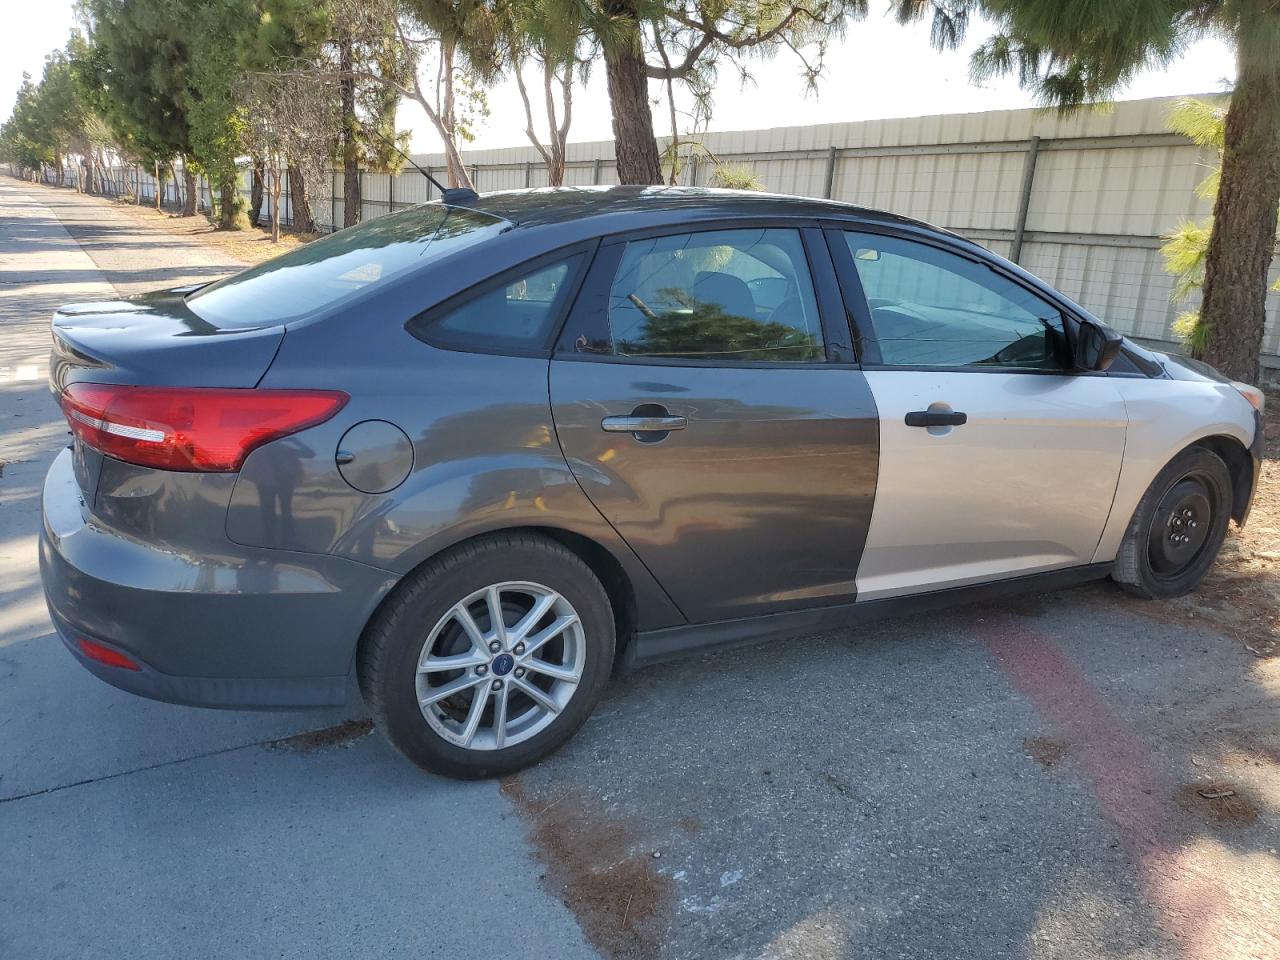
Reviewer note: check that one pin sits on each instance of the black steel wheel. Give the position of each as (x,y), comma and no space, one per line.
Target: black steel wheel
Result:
(1178,528)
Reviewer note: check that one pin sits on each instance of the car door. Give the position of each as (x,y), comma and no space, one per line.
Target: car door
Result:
(708,407)
(996,459)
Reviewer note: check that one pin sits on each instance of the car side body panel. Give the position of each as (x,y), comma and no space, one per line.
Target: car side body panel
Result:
(484,458)
(1025,486)
(760,504)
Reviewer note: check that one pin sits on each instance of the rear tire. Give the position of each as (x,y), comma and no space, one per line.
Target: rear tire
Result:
(463,696)
(1178,527)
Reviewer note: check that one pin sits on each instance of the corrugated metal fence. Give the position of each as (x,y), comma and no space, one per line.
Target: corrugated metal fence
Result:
(1081,201)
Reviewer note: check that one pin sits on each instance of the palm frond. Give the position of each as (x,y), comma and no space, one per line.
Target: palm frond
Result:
(1184,252)
(1191,331)
(1202,121)
(948,19)
(1073,54)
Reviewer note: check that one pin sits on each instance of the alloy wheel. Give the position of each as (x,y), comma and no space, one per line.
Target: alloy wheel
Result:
(500,665)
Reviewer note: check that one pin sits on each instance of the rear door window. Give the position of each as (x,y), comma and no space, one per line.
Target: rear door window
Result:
(728,295)
(325,273)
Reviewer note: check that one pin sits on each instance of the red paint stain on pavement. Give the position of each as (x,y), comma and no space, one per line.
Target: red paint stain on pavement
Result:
(1194,906)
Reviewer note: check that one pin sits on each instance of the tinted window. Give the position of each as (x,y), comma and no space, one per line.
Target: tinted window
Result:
(326,272)
(736,295)
(518,314)
(934,308)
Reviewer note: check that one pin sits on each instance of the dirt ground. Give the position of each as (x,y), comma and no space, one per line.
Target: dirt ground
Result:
(249,246)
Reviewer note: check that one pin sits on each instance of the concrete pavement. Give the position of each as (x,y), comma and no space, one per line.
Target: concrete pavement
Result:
(1066,776)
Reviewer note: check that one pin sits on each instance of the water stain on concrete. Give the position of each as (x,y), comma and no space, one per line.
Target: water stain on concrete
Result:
(595,866)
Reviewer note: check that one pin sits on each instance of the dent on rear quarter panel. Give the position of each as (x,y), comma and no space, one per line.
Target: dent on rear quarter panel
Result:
(485,459)
(1165,417)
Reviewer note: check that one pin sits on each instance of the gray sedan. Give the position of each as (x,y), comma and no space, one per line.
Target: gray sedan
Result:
(484,452)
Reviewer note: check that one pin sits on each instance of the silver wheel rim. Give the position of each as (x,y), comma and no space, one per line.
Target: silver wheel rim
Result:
(500,665)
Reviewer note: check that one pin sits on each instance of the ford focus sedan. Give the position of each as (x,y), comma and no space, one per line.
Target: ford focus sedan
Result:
(485,452)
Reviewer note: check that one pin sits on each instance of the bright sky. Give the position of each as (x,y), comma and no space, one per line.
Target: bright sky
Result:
(878,70)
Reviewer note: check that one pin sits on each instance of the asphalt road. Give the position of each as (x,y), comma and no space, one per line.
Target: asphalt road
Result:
(1064,776)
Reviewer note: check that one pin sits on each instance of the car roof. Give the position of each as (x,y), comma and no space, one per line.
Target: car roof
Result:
(545,206)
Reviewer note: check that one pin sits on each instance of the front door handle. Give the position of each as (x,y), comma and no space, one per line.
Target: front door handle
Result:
(936,418)
(643,424)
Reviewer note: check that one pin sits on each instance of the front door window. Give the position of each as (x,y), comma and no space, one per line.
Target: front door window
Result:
(932,308)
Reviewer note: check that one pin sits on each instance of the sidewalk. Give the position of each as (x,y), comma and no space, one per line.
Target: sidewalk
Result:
(134,254)
(41,266)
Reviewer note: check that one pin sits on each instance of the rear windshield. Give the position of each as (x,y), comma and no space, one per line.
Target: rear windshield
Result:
(324,273)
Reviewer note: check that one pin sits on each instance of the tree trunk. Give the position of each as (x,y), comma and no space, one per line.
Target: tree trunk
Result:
(189,191)
(255,192)
(275,204)
(159,187)
(634,144)
(1242,243)
(448,125)
(350,148)
(88,171)
(227,204)
(560,130)
(137,184)
(302,219)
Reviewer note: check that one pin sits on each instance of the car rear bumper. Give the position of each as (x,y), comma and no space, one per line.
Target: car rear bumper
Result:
(239,627)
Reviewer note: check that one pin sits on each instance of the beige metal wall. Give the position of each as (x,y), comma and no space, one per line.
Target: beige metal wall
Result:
(1106,186)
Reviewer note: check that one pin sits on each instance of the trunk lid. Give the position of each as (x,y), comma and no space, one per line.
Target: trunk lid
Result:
(150,340)
(156,340)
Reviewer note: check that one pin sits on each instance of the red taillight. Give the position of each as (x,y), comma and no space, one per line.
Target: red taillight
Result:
(105,655)
(190,428)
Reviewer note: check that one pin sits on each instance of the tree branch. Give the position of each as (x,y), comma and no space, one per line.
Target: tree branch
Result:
(528,117)
(740,43)
(668,72)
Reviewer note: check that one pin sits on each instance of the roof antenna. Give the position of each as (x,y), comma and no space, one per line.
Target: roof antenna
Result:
(449,195)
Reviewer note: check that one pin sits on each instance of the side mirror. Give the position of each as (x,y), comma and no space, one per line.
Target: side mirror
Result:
(1096,346)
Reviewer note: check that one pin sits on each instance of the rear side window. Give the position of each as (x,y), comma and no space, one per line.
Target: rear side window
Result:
(937,309)
(730,295)
(516,315)
(326,272)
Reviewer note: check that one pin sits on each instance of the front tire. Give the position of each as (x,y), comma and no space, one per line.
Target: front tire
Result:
(489,657)
(1178,527)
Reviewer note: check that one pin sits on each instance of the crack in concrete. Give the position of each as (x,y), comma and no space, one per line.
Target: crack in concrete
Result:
(307,741)
(125,773)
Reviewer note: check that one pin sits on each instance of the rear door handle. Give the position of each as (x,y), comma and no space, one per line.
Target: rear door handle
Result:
(935,418)
(643,424)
